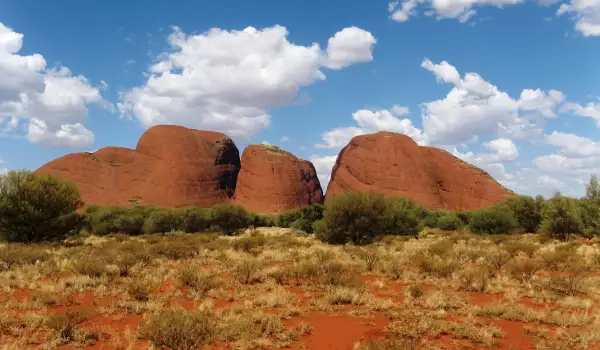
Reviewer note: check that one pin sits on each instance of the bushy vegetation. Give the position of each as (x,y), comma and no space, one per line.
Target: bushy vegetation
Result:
(35,208)
(492,221)
(561,217)
(358,218)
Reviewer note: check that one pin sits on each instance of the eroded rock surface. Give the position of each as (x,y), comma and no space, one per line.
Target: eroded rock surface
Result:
(172,166)
(394,165)
(272,180)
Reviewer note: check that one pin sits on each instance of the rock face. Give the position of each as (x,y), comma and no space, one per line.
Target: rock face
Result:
(272,180)
(172,166)
(394,165)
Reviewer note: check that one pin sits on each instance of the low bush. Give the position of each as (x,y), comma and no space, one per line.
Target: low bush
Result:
(179,329)
(194,219)
(287,218)
(229,218)
(308,216)
(17,255)
(492,221)
(140,290)
(163,221)
(449,222)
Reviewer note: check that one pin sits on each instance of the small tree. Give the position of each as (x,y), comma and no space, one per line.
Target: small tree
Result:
(526,210)
(492,221)
(35,208)
(402,216)
(449,222)
(561,217)
(230,218)
(352,217)
(163,221)
(592,189)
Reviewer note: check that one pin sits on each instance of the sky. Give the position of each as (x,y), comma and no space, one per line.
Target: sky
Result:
(508,85)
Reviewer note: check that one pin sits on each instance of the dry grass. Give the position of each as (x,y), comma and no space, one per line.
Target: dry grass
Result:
(448,285)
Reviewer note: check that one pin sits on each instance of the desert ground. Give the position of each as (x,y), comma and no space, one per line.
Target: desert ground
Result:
(280,288)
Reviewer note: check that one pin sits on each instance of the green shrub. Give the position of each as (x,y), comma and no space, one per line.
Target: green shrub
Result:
(308,216)
(401,216)
(35,208)
(130,223)
(589,211)
(492,221)
(230,218)
(526,210)
(561,217)
(179,329)
(195,219)
(163,221)
(352,217)
(449,222)
(262,220)
(286,219)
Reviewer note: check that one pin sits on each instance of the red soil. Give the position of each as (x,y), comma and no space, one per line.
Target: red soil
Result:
(338,332)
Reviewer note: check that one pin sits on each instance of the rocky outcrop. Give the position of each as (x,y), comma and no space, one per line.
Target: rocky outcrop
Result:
(394,165)
(272,180)
(172,166)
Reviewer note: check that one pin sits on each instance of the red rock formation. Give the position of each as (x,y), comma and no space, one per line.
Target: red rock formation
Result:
(394,165)
(172,166)
(272,180)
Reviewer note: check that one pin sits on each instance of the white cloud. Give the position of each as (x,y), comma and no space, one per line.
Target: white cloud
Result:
(586,14)
(462,10)
(475,107)
(323,166)
(538,100)
(265,142)
(228,80)
(591,110)
(399,111)
(403,13)
(52,97)
(573,145)
(503,151)
(69,135)
(284,138)
(349,46)
(368,122)
(568,169)
(547,180)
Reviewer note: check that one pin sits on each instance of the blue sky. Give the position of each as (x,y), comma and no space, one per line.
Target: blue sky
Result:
(510,86)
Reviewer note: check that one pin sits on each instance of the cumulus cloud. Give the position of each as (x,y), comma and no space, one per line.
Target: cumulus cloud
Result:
(69,135)
(52,101)
(591,110)
(475,107)
(573,145)
(323,166)
(228,80)
(501,151)
(586,14)
(370,121)
(349,46)
(461,10)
